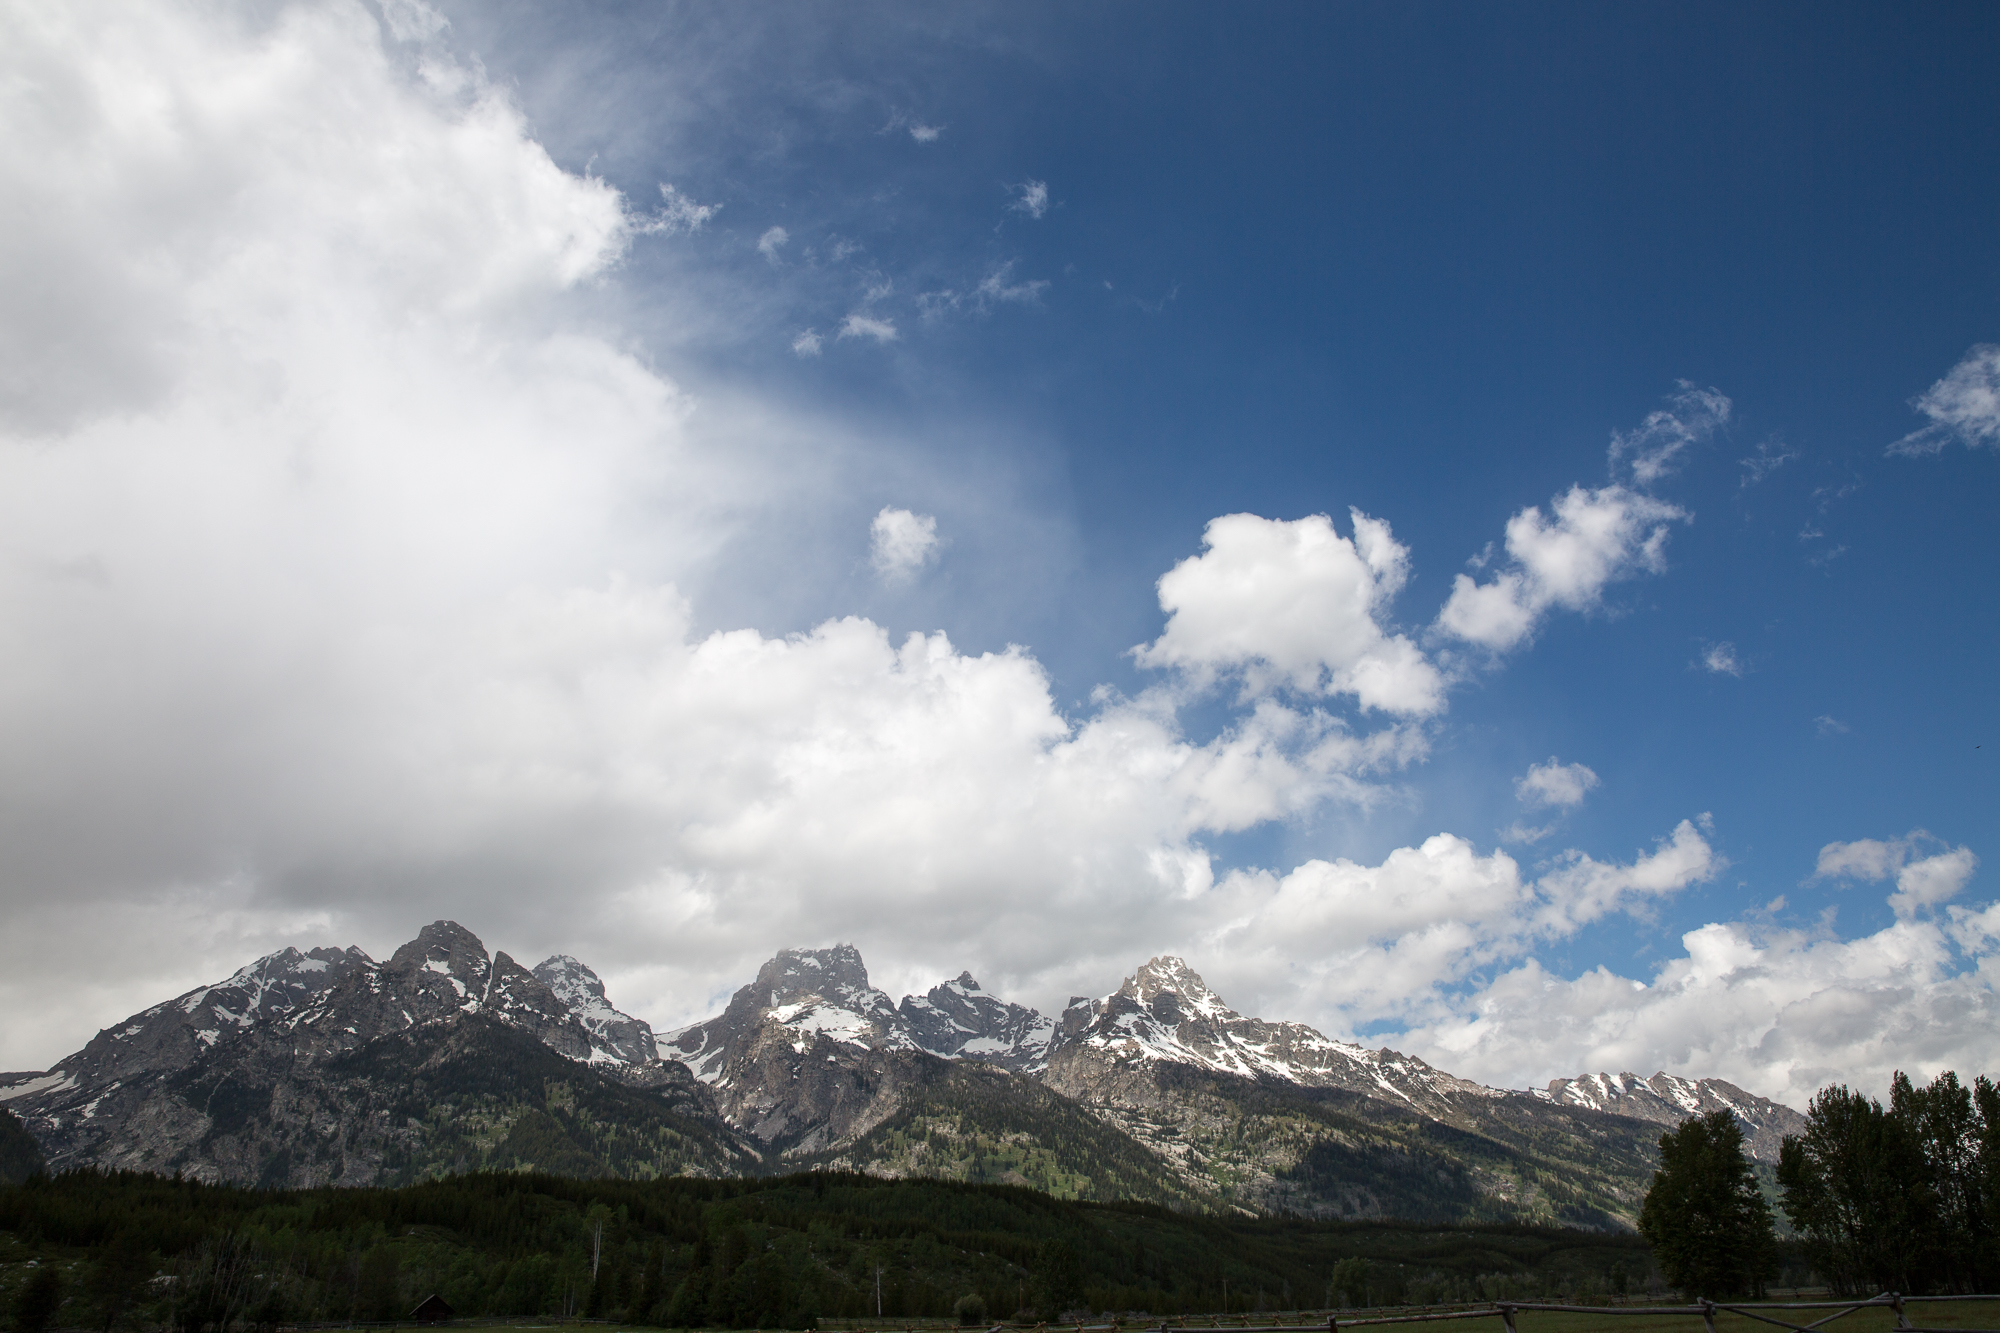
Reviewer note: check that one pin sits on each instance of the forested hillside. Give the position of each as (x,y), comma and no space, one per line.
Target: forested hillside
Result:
(773,1253)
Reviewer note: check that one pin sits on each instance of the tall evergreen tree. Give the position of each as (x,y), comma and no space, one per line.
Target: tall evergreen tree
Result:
(1708,1223)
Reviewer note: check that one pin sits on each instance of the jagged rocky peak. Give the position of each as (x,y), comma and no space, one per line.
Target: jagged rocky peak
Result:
(835,973)
(958,1019)
(1173,991)
(803,994)
(446,949)
(617,1035)
(572,980)
(1668,1099)
(522,999)
(1165,1013)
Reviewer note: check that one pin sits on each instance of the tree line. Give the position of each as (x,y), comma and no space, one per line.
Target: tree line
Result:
(1903,1197)
(125,1250)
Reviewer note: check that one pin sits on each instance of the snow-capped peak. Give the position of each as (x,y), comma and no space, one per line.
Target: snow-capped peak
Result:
(804,994)
(1668,1099)
(958,1020)
(1165,1012)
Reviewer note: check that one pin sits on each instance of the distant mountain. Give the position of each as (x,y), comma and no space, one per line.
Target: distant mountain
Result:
(326,1066)
(1665,1099)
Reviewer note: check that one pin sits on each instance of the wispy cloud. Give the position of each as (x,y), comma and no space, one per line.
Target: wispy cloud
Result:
(1769,456)
(808,343)
(917,129)
(1653,450)
(995,288)
(858,325)
(901,542)
(678,215)
(1829,725)
(771,242)
(1963,406)
(1720,659)
(1030,197)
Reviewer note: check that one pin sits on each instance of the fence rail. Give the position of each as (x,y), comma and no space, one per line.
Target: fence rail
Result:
(1506,1310)
(1334,1323)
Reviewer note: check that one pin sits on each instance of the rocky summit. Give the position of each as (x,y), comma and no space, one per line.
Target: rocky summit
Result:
(329,1067)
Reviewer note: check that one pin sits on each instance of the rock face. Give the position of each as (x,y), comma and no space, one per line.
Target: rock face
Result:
(1665,1099)
(621,1037)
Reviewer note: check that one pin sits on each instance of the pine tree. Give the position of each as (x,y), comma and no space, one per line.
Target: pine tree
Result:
(1706,1219)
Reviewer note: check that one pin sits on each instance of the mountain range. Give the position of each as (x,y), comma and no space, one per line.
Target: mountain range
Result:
(328,1067)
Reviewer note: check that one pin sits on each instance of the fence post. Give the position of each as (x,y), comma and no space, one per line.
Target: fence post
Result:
(1896,1304)
(1333,1323)
(1507,1314)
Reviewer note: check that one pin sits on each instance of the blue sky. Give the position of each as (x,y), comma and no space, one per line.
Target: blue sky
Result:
(1067,285)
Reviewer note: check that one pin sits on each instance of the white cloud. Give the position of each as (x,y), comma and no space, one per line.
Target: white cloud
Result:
(901,543)
(1554,784)
(679,215)
(1963,406)
(996,287)
(925,133)
(1357,945)
(858,325)
(1780,1012)
(1922,881)
(772,241)
(807,343)
(1828,725)
(1720,659)
(1031,197)
(1295,604)
(1654,449)
(1594,539)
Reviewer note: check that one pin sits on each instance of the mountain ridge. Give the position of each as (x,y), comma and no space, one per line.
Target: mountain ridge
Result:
(280,1074)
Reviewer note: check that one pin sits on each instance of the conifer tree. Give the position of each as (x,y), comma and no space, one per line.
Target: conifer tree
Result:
(1708,1223)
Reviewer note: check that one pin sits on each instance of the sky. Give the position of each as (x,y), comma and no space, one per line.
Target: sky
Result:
(1471,526)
